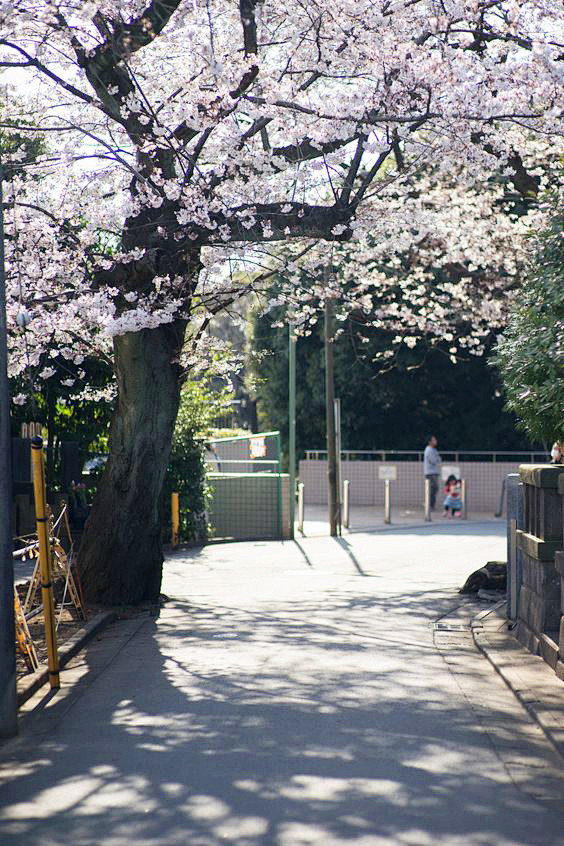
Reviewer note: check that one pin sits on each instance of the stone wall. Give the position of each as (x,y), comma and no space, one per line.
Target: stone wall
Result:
(540,600)
(559,564)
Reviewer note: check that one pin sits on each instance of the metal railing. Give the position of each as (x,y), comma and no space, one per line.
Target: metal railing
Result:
(447,455)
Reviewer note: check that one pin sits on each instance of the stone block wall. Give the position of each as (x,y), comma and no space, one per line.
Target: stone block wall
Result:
(559,564)
(541,542)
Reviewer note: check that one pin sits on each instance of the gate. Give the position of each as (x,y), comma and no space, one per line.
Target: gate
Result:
(250,492)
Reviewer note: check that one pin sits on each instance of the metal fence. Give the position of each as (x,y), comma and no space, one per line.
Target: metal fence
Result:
(250,494)
(448,455)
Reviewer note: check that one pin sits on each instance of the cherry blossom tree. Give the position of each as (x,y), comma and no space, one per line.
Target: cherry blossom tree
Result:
(183,137)
(441,262)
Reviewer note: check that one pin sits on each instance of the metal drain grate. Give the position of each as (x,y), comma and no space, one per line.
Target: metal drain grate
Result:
(451,627)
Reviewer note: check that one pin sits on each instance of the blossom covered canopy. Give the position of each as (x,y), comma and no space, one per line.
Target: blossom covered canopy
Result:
(181,136)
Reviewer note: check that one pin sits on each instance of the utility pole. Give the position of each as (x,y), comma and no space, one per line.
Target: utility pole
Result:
(292,422)
(339,469)
(8,704)
(330,414)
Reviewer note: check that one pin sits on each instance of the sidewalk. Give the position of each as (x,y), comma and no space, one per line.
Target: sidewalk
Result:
(325,692)
(367,518)
(529,677)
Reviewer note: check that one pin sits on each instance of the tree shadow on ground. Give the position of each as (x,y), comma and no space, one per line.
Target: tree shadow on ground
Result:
(327,719)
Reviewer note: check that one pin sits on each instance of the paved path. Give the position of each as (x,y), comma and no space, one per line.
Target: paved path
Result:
(291,694)
(368,518)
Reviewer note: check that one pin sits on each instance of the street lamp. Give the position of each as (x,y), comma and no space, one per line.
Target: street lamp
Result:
(8,704)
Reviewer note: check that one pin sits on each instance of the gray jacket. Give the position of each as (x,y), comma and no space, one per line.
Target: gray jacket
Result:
(431,461)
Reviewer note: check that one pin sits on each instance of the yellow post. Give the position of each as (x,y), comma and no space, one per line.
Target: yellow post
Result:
(45,560)
(175,519)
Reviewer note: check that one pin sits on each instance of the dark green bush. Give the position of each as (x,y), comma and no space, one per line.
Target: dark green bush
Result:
(200,405)
(530,356)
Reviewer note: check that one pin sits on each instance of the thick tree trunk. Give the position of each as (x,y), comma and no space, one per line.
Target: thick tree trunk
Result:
(121,554)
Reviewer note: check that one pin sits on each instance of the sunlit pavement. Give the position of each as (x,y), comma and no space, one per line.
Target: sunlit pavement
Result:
(292,694)
(363,518)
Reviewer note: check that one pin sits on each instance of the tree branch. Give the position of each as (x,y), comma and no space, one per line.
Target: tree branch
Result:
(279,221)
(370,176)
(305,150)
(87,98)
(353,170)
(123,39)
(249,24)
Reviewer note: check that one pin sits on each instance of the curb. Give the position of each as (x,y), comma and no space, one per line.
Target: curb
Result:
(426,525)
(532,697)
(32,683)
(390,527)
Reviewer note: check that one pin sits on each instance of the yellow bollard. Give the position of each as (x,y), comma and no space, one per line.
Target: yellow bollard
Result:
(175,519)
(45,560)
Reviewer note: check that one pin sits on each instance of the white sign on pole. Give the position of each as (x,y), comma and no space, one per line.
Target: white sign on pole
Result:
(388,471)
(450,470)
(257,447)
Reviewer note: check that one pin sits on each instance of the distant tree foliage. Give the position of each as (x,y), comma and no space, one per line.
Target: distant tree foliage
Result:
(381,406)
(65,416)
(530,356)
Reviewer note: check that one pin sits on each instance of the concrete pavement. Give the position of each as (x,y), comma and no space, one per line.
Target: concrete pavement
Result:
(319,692)
(369,518)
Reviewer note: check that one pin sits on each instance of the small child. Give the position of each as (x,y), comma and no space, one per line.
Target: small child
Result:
(452,499)
(556,456)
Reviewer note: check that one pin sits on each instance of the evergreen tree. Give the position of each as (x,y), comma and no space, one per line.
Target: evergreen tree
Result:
(382,406)
(531,354)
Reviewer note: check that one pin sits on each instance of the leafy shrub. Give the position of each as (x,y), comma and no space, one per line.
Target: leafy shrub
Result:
(200,406)
(530,356)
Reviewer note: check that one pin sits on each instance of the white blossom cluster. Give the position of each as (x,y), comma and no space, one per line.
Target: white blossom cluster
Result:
(178,139)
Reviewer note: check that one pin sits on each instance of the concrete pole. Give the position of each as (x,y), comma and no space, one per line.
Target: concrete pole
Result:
(427,506)
(330,416)
(387,502)
(346,503)
(338,448)
(8,705)
(292,423)
(301,507)
(463,494)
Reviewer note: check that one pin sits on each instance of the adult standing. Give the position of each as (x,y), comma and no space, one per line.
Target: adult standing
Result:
(432,467)
(556,456)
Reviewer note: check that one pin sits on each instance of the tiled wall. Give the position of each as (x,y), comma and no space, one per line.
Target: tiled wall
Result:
(483,483)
